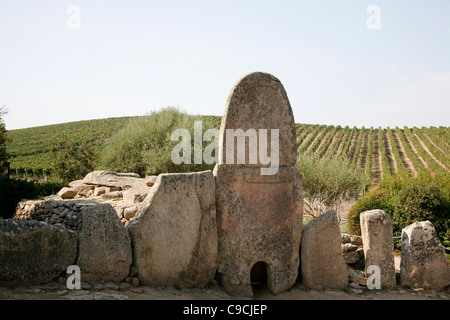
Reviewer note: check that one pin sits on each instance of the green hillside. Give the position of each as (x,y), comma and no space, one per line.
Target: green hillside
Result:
(30,148)
(375,150)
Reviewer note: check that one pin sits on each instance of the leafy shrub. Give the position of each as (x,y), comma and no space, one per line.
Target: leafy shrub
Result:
(72,161)
(373,200)
(12,191)
(144,145)
(327,182)
(4,140)
(407,200)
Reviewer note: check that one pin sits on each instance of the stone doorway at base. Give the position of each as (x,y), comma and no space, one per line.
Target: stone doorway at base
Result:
(258,278)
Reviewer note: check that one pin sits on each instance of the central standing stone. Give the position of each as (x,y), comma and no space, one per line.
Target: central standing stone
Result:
(259,213)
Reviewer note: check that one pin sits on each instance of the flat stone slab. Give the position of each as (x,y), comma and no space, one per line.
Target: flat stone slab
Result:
(114,179)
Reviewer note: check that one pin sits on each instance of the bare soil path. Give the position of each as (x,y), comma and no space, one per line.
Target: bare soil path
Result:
(413,147)
(363,151)
(443,140)
(324,141)
(341,146)
(301,135)
(376,173)
(351,150)
(318,135)
(429,152)
(305,141)
(390,154)
(333,143)
(434,143)
(401,150)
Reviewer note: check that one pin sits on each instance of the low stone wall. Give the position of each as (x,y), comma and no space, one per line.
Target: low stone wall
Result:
(52,211)
(67,212)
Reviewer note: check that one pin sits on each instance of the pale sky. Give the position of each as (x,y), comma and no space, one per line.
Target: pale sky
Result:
(340,63)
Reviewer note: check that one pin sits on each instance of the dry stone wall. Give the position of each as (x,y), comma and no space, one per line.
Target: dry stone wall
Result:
(52,211)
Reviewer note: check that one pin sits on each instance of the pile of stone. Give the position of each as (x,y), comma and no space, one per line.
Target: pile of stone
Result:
(357,280)
(352,252)
(123,191)
(109,185)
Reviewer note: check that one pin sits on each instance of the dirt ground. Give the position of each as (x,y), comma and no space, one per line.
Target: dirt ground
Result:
(125,291)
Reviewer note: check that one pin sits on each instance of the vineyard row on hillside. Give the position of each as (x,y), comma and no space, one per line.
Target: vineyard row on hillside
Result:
(378,152)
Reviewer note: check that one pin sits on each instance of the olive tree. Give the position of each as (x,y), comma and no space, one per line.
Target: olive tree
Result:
(327,182)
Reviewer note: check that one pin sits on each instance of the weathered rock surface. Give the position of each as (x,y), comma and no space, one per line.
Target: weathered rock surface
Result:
(104,245)
(378,244)
(352,257)
(135,195)
(257,101)
(259,209)
(114,179)
(84,190)
(322,264)
(174,234)
(424,263)
(67,193)
(34,252)
(348,247)
(356,276)
(260,220)
(98,191)
(112,195)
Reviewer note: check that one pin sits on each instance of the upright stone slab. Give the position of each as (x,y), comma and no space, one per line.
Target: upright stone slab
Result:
(259,214)
(424,263)
(378,244)
(104,245)
(322,263)
(174,234)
